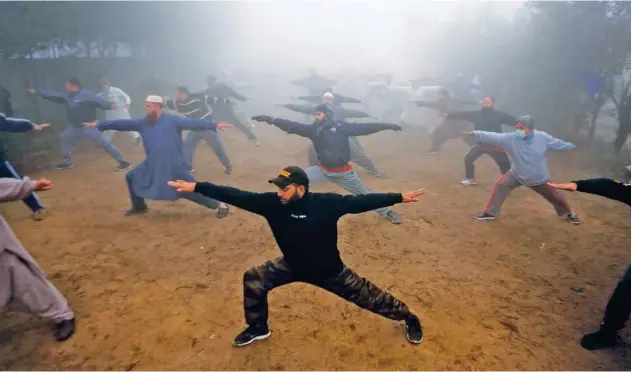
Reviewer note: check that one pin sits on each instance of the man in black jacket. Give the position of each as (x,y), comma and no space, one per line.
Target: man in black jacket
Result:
(221,98)
(304,225)
(331,142)
(618,308)
(7,170)
(195,106)
(487,119)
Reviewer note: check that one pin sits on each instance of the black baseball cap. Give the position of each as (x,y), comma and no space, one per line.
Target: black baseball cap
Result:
(290,175)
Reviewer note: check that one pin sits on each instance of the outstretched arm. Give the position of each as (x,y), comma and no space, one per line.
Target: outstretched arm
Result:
(233,94)
(15,125)
(195,124)
(554,144)
(123,125)
(355,204)
(52,96)
(344,99)
(462,115)
(288,126)
(351,114)
(312,99)
(605,187)
(303,109)
(491,138)
(258,203)
(363,129)
(12,189)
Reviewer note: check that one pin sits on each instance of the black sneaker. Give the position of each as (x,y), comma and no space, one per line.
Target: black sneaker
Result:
(62,166)
(393,217)
(573,218)
(64,329)
(134,212)
(414,330)
(485,217)
(123,166)
(251,334)
(600,340)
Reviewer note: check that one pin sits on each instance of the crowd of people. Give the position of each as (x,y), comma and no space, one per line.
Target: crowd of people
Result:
(302,222)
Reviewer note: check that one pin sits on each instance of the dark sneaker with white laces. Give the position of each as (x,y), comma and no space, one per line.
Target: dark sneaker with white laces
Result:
(62,166)
(251,334)
(414,330)
(393,217)
(573,218)
(602,339)
(485,217)
(64,329)
(123,166)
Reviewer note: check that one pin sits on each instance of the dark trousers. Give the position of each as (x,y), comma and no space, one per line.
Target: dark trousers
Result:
(31,201)
(475,152)
(228,116)
(449,129)
(618,308)
(260,280)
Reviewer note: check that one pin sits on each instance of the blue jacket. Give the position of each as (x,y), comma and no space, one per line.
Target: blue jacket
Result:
(528,155)
(12,125)
(81,106)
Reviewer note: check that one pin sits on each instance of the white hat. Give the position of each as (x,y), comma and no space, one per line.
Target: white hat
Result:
(328,95)
(154,99)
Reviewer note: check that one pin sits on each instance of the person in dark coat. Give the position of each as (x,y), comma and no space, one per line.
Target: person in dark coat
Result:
(618,308)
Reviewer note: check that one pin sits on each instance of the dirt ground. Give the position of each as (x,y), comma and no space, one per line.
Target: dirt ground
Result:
(163,291)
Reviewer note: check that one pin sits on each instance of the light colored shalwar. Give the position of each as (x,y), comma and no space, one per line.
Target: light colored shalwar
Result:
(23,284)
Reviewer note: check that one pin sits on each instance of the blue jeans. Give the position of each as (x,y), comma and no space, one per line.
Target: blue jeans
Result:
(71,136)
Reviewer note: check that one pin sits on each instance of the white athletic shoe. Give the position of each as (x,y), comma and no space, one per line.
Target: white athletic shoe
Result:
(468,182)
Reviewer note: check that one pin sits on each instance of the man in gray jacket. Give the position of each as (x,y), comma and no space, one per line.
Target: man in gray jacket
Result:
(22,281)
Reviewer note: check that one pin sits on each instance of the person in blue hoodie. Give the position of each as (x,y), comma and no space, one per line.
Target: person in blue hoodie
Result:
(7,170)
(81,106)
(527,148)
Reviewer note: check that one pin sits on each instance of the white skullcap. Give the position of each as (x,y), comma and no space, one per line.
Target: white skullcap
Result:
(328,95)
(154,99)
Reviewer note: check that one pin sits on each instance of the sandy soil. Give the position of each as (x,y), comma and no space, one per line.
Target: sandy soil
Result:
(163,291)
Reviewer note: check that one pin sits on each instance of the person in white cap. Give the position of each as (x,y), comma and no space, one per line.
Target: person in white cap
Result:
(120,107)
(161,137)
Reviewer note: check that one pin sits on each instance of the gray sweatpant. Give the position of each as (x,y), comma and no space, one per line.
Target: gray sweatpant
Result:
(507,183)
(348,180)
(358,155)
(26,288)
(212,139)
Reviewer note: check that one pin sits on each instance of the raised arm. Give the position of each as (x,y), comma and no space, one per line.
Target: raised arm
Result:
(555,144)
(605,187)
(354,204)
(363,129)
(195,124)
(259,203)
(12,189)
(123,125)
(491,138)
(52,96)
(15,125)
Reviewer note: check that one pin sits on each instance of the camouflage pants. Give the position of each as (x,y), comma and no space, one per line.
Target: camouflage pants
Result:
(260,280)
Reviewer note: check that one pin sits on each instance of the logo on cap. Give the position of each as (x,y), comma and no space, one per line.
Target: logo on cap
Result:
(285,174)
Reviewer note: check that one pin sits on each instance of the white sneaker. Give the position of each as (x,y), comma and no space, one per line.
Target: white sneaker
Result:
(468,182)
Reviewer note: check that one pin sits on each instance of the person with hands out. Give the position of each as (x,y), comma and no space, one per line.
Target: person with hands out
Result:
(304,225)
(331,142)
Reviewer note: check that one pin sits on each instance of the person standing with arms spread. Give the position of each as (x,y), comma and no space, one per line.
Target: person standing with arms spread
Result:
(81,106)
(120,106)
(331,142)
(22,280)
(304,225)
(221,98)
(8,171)
(196,107)
(529,167)
(487,119)
(160,133)
(618,307)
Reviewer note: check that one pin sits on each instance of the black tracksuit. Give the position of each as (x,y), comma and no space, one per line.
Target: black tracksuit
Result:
(618,308)
(488,120)
(307,234)
(331,139)
(219,96)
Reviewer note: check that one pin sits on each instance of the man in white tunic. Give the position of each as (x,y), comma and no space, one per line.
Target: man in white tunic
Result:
(120,107)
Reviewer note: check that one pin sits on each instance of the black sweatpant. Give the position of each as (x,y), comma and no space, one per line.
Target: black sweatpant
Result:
(475,152)
(260,280)
(618,308)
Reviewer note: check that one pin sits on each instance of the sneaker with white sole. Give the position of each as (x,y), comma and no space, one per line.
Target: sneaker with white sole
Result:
(468,182)
(432,152)
(573,218)
(414,330)
(251,334)
(485,217)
